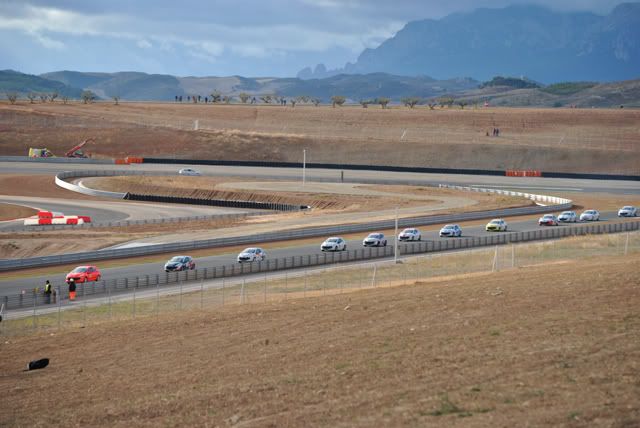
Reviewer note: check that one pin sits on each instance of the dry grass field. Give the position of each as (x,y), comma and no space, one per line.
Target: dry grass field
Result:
(514,348)
(572,140)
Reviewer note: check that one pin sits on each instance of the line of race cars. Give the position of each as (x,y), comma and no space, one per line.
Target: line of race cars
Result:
(91,273)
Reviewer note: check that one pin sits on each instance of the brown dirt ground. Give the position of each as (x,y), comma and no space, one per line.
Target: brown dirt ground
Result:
(553,345)
(37,185)
(12,212)
(572,140)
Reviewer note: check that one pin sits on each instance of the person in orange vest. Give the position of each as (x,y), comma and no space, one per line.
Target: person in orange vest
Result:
(72,289)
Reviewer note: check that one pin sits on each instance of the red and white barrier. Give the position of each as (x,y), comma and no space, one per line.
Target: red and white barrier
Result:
(64,219)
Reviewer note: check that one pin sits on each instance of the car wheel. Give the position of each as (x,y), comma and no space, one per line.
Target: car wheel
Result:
(385,243)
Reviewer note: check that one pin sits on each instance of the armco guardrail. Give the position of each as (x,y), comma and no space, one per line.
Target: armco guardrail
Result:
(293,234)
(32,298)
(61,181)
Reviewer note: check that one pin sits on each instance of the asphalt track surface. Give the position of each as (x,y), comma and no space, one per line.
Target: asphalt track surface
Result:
(529,184)
(15,286)
(533,185)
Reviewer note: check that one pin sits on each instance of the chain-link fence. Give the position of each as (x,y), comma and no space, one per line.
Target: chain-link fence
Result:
(148,297)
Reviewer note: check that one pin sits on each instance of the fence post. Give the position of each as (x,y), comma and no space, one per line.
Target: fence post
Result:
(626,244)
(373,278)
(84,304)
(59,305)
(134,304)
(265,287)
(157,299)
(286,284)
(109,294)
(304,290)
(202,294)
(513,256)
(35,296)
(223,291)
(180,295)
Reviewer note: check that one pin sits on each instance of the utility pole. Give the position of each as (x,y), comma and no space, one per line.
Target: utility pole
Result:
(304,166)
(395,240)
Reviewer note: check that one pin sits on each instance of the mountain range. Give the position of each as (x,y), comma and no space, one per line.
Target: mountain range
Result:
(544,45)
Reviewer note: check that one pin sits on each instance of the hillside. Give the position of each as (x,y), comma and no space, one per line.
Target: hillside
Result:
(545,45)
(544,345)
(142,86)
(23,84)
(579,94)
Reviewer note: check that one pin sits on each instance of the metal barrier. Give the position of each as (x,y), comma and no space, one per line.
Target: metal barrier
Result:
(120,285)
(558,205)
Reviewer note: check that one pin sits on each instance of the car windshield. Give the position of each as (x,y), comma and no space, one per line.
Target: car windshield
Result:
(176,259)
(627,208)
(375,235)
(409,231)
(566,213)
(590,212)
(495,221)
(250,250)
(80,269)
(450,226)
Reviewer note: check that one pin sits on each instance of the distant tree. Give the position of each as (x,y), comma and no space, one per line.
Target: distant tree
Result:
(65,99)
(31,97)
(432,105)
(462,104)
(12,97)
(215,96)
(337,100)
(244,97)
(194,99)
(87,97)
(53,96)
(315,101)
(446,101)
(116,99)
(227,99)
(383,101)
(43,97)
(293,102)
(410,102)
(365,103)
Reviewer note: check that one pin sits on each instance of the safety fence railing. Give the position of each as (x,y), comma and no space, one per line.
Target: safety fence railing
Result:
(126,223)
(154,295)
(35,297)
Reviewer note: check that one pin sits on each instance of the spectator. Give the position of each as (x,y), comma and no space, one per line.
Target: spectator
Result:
(72,289)
(47,292)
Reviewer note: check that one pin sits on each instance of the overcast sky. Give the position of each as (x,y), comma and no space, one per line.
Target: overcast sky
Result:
(216,37)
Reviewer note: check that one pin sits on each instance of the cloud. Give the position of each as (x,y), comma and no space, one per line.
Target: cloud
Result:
(144,44)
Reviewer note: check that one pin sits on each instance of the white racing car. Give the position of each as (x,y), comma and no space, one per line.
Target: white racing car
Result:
(375,240)
(628,211)
(189,171)
(451,230)
(590,215)
(334,244)
(251,255)
(568,217)
(410,235)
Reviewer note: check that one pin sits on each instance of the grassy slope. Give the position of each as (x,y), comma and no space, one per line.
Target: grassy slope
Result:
(553,345)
